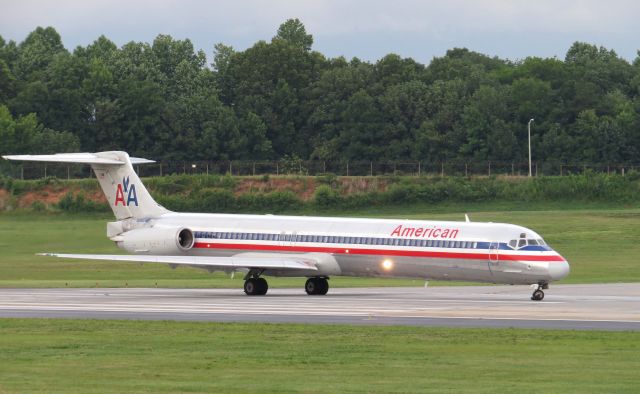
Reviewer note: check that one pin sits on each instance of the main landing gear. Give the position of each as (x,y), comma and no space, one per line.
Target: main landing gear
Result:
(254,284)
(316,286)
(538,294)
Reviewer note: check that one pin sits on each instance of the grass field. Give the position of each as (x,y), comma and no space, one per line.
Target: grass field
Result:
(601,244)
(139,356)
(135,356)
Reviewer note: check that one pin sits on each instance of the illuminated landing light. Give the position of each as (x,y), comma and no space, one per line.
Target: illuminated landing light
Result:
(387,265)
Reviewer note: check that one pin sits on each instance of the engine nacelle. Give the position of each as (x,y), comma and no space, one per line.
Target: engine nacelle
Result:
(157,240)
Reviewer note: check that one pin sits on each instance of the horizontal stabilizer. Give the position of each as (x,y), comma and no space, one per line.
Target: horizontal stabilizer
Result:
(77,158)
(221,263)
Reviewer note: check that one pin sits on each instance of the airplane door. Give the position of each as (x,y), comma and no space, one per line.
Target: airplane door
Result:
(494,256)
(287,239)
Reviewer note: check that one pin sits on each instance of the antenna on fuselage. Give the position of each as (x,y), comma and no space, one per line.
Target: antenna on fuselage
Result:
(466,218)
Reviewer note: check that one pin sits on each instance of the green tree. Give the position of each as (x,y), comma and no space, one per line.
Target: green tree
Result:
(7,82)
(294,32)
(25,135)
(36,52)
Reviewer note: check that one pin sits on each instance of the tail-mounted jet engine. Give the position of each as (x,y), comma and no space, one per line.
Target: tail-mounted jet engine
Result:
(157,240)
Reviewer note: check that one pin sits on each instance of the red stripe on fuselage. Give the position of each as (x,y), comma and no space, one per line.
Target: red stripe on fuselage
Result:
(376,252)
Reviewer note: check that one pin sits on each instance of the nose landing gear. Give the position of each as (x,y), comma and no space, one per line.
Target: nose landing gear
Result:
(538,294)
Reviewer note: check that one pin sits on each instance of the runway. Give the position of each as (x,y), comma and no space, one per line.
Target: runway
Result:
(592,306)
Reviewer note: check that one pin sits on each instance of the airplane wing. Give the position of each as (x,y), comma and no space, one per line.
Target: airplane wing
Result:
(215,263)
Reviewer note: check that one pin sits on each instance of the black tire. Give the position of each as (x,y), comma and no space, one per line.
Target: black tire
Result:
(263,286)
(311,286)
(323,286)
(251,287)
(538,295)
(316,286)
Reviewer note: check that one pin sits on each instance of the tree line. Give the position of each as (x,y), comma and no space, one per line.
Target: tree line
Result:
(280,98)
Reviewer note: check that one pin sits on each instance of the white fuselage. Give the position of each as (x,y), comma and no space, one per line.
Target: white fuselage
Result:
(441,250)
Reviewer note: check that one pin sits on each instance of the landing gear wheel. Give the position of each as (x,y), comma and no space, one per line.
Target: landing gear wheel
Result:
(255,286)
(324,286)
(316,286)
(538,295)
(263,286)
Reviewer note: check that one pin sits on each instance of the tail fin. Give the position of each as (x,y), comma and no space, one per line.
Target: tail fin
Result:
(125,192)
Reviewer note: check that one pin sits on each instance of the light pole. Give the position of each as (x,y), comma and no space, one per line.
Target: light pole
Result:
(529,132)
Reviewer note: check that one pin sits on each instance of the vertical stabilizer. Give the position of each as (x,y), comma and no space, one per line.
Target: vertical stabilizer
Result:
(127,196)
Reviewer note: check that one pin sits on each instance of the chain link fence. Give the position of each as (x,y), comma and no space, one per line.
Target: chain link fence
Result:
(313,168)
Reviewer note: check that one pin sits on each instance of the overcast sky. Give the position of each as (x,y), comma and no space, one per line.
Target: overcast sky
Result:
(368,29)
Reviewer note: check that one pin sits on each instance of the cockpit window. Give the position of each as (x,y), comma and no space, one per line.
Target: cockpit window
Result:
(522,242)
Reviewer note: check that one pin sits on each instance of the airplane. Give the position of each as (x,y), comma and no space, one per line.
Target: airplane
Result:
(313,247)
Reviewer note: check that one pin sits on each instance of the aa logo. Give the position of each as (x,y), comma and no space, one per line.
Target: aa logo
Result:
(127,189)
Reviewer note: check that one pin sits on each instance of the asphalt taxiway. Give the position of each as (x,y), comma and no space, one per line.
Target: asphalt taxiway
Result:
(592,306)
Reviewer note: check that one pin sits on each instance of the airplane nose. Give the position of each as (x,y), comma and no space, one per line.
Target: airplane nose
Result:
(559,270)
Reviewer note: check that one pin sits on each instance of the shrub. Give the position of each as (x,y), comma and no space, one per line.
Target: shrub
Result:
(38,206)
(326,197)
(78,203)
(329,179)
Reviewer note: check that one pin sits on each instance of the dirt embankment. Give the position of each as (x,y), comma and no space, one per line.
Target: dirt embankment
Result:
(304,187)
(47,195)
